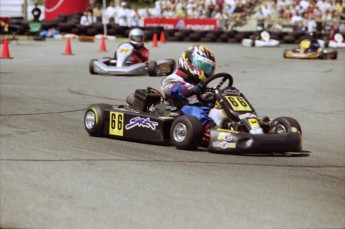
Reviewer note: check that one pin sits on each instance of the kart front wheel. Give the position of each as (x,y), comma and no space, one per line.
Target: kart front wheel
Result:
(285,55)
(335,55)
(284,125)
(94,119)
(186,132)
(152,68)
(91,67)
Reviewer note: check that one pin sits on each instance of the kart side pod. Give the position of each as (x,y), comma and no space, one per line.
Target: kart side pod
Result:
(227,141)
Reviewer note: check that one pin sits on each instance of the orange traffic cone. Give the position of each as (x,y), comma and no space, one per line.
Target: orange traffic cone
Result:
(162,38)
(102,47)
(154,41)
(68,49)
(5,50)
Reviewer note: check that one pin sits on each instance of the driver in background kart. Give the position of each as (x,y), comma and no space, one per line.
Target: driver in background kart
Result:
(182,87)
(310,44)
(136,38)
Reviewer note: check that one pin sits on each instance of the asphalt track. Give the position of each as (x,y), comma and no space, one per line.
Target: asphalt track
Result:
(53,175)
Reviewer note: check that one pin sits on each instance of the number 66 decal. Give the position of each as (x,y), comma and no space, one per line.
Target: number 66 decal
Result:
(116,123)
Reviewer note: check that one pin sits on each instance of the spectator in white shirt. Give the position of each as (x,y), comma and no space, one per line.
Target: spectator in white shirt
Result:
(230,5)
(135,17)
(323,5)
(210,2)
(144,13)
(281,4)
(221,16)
(266,9)
(189,6)
(304,4)
(123,14)
(260,19)
(297,22)
(110,12)
(86,19)
(311,24)
(167,13)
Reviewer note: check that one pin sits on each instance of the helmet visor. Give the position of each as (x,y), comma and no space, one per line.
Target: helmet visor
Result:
(205,65)
(137,38)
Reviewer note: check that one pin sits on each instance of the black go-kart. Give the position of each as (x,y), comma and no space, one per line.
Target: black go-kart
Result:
(149,118)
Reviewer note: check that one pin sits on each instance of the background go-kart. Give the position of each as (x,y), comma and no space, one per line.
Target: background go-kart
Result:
(53,175)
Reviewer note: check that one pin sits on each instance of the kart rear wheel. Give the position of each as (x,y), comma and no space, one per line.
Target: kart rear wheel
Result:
(91,67)
(173,66)
(335,55)
(284,125)
(152,68)
(186,132)
(94,119)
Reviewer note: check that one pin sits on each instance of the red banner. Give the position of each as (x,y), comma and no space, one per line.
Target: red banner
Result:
(53,8)
(182,23)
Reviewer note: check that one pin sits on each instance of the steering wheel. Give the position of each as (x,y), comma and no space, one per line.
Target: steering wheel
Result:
(224,76)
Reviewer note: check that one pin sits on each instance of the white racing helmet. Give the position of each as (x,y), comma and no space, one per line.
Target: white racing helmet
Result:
(136,37)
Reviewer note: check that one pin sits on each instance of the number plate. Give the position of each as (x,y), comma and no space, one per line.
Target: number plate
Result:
(238,103)
(116,123)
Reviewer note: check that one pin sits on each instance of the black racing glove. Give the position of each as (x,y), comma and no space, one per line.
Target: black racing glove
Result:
(196,90)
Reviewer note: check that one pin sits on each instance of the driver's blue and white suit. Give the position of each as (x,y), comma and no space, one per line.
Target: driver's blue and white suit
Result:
(176,89)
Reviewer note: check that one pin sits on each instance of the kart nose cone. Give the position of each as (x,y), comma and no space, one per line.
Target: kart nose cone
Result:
(90,119)
(180,132)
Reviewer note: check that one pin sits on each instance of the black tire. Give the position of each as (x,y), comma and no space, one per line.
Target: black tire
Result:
(322,55)
(96,112)
(173,66)
(253,38)
(232,40)
(186,132)
(188,39)
(195,36)
(335,55)
(91,67)
(91,32)
(288,39)
(152,68)
(239,37)
(285,125)
(206,39)
(76,31)
(285,53)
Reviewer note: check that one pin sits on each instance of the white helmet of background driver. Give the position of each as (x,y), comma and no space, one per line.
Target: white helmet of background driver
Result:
(136,37)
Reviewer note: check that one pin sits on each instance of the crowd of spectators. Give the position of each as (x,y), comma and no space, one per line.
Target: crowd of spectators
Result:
(300,15)
(225,11)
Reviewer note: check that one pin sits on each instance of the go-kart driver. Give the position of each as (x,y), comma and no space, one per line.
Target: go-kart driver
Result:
(140,53)
(195,65)
(310,44)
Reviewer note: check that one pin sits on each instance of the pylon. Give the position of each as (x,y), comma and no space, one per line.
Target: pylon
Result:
(68,49)
(5,50)
(162,38)
(154,40)
(102,47)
